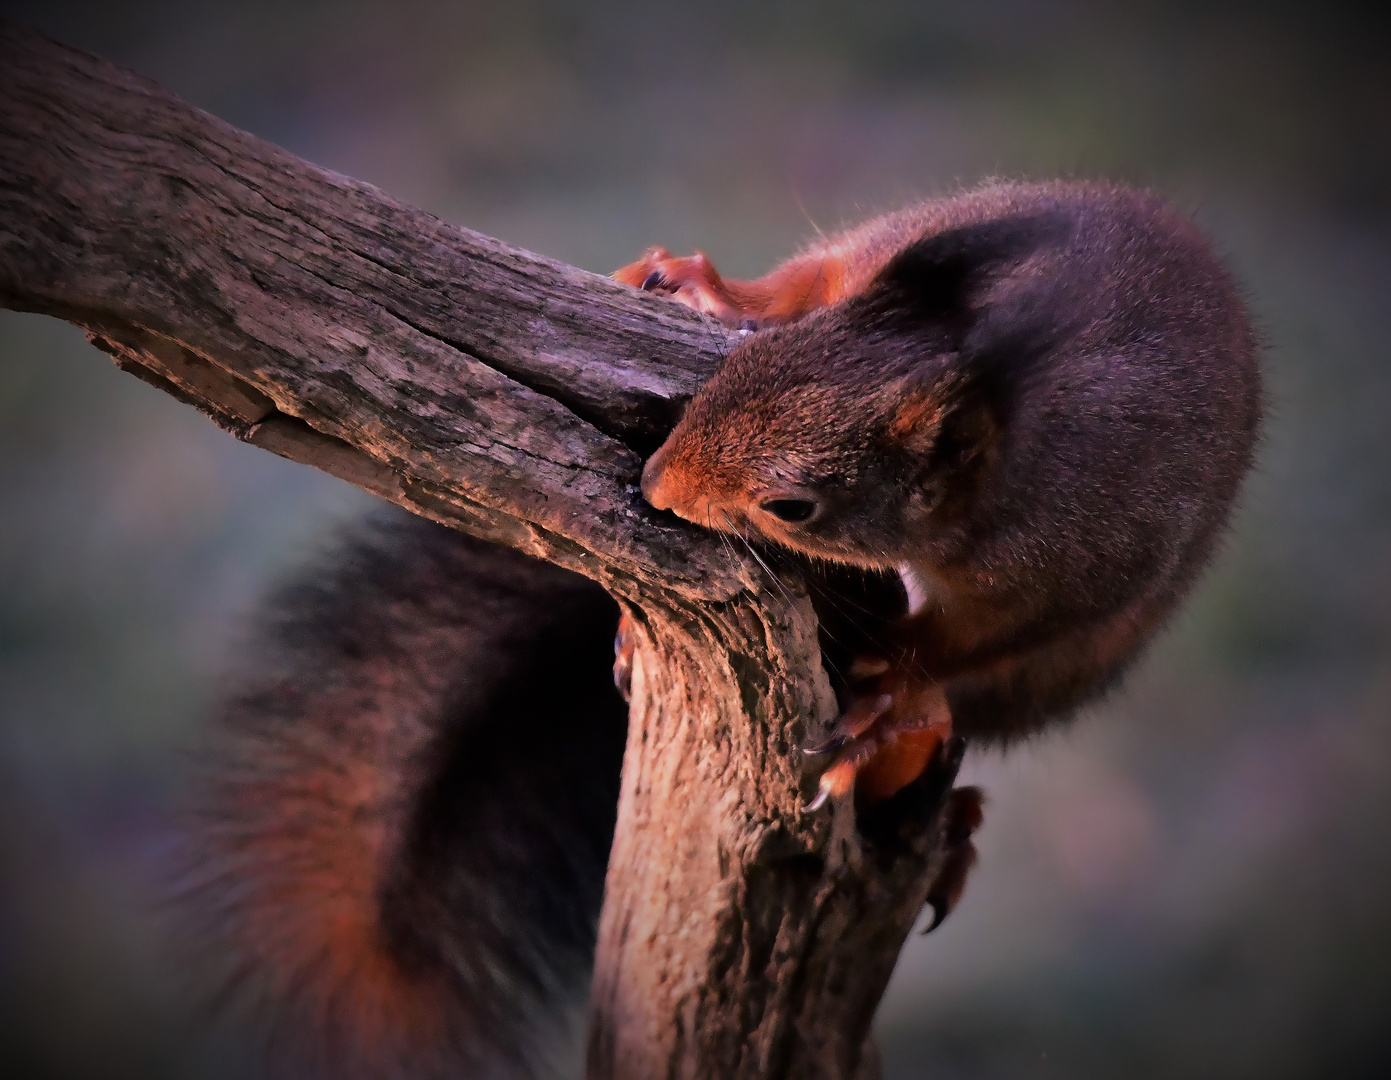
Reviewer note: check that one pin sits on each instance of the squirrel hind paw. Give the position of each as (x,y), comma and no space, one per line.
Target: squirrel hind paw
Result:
(964,812)
(820,799)
(886,738)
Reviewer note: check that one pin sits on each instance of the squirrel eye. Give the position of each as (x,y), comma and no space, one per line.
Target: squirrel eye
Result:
(794,511)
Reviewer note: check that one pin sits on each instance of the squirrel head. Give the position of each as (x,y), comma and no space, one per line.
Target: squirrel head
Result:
(864,432)
(847,435)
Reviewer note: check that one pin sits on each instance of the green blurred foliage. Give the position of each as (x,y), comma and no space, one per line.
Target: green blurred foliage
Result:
(1189,882)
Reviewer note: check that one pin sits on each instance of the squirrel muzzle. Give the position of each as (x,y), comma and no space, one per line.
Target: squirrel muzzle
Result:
(655,488)
(668,487)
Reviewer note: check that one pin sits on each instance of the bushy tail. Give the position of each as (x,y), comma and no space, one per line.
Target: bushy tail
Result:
(403,823)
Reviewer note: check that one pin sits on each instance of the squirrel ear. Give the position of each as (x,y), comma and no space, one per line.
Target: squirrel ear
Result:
(939,278)
(954,434)
(968,434)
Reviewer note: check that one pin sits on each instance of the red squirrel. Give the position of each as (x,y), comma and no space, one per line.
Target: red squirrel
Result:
(1032,403)
(396,853)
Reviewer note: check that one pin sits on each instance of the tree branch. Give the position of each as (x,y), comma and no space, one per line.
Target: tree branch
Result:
(514,397)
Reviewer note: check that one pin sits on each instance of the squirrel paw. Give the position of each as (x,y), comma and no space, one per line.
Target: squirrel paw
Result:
(692,280)
(623,646)
(964,812)
(886,738)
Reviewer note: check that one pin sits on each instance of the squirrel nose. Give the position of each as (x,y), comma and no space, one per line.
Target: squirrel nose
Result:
(652,476)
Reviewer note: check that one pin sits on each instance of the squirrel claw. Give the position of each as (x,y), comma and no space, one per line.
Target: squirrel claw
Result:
(833,742)
(965,810)
(940,911)
(885,740)
(852,725)
(818,801)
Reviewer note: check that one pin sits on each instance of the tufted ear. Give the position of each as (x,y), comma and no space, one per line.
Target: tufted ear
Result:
(961,291)
(942,279)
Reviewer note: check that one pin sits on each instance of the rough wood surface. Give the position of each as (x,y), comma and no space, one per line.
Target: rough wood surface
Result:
(512,396)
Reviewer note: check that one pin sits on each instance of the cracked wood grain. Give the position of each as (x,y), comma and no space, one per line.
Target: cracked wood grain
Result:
(514,397)
(240,274)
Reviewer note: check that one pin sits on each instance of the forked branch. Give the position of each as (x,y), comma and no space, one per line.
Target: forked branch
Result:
(514,397)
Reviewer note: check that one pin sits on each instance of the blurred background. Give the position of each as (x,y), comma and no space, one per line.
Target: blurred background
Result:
(1192,881)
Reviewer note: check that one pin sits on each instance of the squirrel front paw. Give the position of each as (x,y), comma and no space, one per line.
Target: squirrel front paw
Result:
(691,280)
(896,721)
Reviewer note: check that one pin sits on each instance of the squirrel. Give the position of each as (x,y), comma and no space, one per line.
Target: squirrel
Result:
(1034,403)
(1026,408)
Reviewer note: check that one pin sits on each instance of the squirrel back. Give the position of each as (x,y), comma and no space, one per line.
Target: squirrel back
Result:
(399,842)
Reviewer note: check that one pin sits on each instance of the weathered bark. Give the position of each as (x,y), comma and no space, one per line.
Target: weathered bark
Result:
(514,397)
